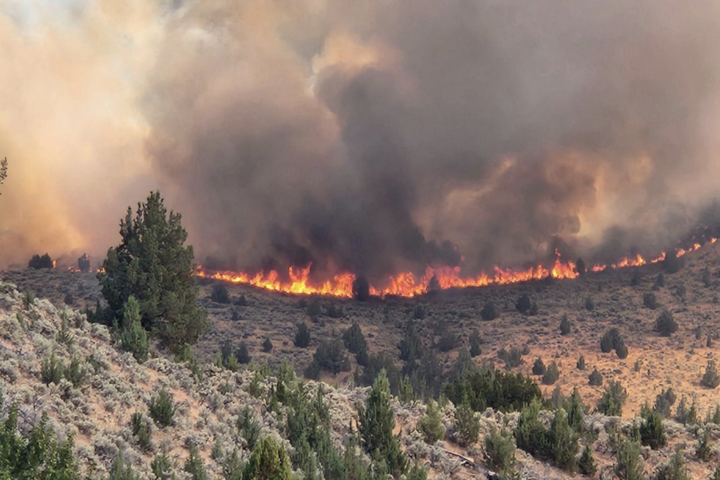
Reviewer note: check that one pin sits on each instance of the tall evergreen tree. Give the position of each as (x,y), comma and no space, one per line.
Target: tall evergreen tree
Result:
(153,265)
(133,337)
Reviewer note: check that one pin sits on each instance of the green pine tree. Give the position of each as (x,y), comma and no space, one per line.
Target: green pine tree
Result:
(133,337)
(268,461)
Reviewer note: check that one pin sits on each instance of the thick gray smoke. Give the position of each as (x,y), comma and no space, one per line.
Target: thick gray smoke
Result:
(382,136)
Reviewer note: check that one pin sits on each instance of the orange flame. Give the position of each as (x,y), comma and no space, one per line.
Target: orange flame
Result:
(406,285)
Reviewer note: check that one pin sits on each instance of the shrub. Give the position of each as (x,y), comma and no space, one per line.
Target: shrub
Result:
(475,349)
(267,345)
(161,465)
(564,325)
(84,263)
(650,301)
(652,432)
(194,465)
(332,357)
(242,354)
(419,312)
(219,294)
(703,449)
(354,339)
(636,278)
(629,464)
(410,346)
(154,266)
(75,373)
(659,282)
(489,312)
(268,461)
(512,358)
(333,311)
(361,289)
(447,341)
(523,304)
(406,394)
(580,267)
(51,369)
(302,336)
(538,367)
(37,262)
(530,434)
(664,401)
(675,469)
(162,408)
(685,415)
(133,337)
(595,378)
(711,378)
(466,425)
(69,300)
(581,363)
(119,470)
(376,422)
(499,451)
(248,427)
(586,464)
(430,424)
(552,374)
(564,442)
(487,387)
(613,399)
(141,431)
(672,263)
(620,349)
(589,304)
(609,340)
(666,324)
(716,474)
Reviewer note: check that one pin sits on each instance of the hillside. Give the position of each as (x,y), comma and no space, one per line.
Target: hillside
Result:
(98,412)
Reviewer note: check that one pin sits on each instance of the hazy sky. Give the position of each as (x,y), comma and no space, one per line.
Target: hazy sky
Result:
(359,135)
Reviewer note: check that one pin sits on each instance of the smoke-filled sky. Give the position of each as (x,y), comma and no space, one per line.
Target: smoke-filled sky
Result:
(373,136)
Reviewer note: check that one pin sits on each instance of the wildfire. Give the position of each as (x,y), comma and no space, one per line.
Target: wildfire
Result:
(407,285)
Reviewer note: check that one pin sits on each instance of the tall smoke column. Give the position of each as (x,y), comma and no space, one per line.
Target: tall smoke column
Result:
(373,136)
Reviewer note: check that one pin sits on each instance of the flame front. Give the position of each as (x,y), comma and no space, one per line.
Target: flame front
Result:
(407,285)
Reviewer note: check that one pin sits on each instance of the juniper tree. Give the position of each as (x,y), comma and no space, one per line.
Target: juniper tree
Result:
(564,325)
(564,442)
(586,464)
(612,401)
(376,422)
(162,408)
(268,461)
(675,468)
(499,451)
(711,378)
(652,432)
(666,324)
(194,465)
(581,363)
(552,374)
(475,349)
(466,424)
(664,402)
(153,265)
(629,464)
(133,337)
(595,378)
(703,448)
(538,367)
(430,424)
(302,336)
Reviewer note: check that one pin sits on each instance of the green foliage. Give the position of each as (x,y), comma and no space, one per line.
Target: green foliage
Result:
(595,379)
(652,432)
(242,354)
(711,378)
(376,422)
(564,442)
(375,364)
(447,341)
(354,341)
(589,304)
(629,464)
(410,346)
(466,425)
(52,369)
(267,345)
(499,451)
(141,430)
(531,435)
(613,399)
(703,448)
(417,472)
(302,336)
(248,426)
(475,349)
(666,324)
(161,465)
(37,262)
(675,469)
(38,455)
(586,464)
(430,424)
(489,312)
(162,408)
(512,357)
(685,415)
(330,356)
(152,265)
(576,410)
(28,299)
(133,337)
(565,325)
(650,301)
(716,474)
(538,367)
(612,340)
(194,465)
(406,394)
(268,461)
(119,470)
(620,349)
(219,294)
(523,304)
(64,336)
(487,387)
(552,374)
(581,363)
(664,402)
(75,373)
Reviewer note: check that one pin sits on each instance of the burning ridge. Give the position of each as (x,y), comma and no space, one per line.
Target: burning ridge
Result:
(434,278)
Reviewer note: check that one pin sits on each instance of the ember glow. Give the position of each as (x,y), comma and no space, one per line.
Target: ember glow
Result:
(408,285)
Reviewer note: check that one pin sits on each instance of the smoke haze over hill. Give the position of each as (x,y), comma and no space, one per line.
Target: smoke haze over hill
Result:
(374,136)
